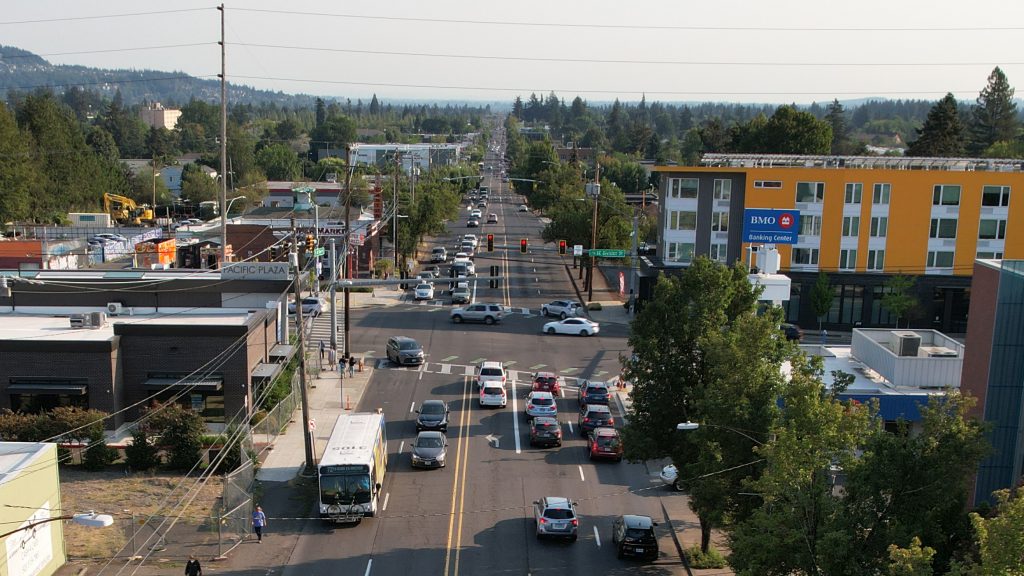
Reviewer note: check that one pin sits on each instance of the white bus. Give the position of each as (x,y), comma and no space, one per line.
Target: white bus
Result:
(352,467)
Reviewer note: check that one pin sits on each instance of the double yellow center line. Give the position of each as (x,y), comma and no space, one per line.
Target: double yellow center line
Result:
(453,548)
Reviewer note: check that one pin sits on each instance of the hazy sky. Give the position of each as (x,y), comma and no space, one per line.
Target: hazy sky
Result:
(775,51)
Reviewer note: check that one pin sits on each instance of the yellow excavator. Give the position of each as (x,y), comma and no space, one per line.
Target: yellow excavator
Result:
(123,210)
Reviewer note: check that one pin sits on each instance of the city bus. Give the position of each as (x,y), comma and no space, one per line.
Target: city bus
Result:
(351,470)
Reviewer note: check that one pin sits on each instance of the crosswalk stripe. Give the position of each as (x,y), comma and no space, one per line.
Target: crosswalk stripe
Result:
(469,371)
(446,368)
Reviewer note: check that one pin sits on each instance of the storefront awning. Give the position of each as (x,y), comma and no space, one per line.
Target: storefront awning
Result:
(55,388)
(212,384)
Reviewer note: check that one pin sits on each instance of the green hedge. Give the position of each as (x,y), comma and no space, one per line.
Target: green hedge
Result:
(701,560)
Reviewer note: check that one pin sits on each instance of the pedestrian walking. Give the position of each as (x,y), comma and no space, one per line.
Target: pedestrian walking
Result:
(322,349)
(342,364)
(259,520)
(352,366)
(331,358)
(192,567)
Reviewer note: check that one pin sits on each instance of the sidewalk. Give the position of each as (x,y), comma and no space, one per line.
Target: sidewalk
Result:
(612,309)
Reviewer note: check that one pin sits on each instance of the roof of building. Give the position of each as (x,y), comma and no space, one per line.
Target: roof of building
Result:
(55,327)
(852,162)
(16,456)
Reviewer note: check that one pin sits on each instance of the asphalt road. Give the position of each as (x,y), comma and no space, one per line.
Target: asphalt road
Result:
(475,515)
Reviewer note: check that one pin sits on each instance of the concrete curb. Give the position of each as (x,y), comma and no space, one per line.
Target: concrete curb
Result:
(675,538)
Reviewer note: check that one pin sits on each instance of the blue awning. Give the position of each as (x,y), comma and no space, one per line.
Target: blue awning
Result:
(893,407)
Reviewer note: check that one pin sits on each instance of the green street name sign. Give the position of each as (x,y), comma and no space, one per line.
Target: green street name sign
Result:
(319,251)
(604,253)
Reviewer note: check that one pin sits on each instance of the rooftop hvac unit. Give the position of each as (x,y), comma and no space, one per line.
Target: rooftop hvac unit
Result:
(79,320)
(906,343)
(97,319)
(114,308)
(939,352)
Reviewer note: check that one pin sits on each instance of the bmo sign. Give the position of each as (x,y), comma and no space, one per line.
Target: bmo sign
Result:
(771,226)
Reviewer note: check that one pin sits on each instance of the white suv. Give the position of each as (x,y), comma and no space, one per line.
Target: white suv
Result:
(490,372)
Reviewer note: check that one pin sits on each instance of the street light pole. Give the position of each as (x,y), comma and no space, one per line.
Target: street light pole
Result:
(90,519)
(596,194)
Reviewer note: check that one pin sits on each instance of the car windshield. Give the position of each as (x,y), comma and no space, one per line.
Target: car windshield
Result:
(423,287)
(639,534)
(597,390)
(430,442)
(558,514)
(345,489)
(493,391)
(543,401)
(490,371)
(545,426)
(408,345)
(432,408)
(608,441)
(545,380)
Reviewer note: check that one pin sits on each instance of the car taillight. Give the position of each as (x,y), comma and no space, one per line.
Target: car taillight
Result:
(543,520)
(575,522)
(611,420)
(502,379)
(586,419)
(593,446)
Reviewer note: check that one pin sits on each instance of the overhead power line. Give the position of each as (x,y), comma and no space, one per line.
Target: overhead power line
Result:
(103,16)
(638,26)
(108,50)
(614,61)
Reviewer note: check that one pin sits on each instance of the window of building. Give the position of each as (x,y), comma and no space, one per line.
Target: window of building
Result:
(995,196)
(847,259)
(723,189)
(36,395)
(793,306)
(719,252)
(879,226)
(767,184)
(683,187)
(851,225)
(854,190)
(946,195)
(680,252)
(805,256)
(847,304)
(992,229)
(682,220)
(943,228)
(940,259)
(719,221)
(810,192)
(880,316)
(880,194)
(810,225)
(876,260)
(990,255)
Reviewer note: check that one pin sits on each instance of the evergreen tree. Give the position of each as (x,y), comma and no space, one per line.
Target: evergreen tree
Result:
(19,171)
(517,108)
(374,106)
(943,132)
(995,116)
(836,117)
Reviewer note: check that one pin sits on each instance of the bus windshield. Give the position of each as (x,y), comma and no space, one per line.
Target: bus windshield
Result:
(348,489)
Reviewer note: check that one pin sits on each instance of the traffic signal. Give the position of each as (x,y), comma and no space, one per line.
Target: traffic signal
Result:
(561,247)
(490,242)
(310,242)
(522,245)
(273,253)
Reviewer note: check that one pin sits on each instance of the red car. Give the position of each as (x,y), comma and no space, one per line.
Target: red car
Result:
(547,382)
(605,443)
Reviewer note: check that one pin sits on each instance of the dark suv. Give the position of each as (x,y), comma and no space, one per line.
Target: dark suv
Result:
(634,536)
(403,350)
(545,431)
(605,443)
(594,416)
(593,393)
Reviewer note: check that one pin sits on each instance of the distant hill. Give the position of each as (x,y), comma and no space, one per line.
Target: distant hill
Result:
(23,71)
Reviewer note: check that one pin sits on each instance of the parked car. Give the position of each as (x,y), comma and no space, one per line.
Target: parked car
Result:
(540,404)
(403,350)
(593,392)
(432,415)
(311,306)
(561,308)
(633,535)
(429,450)
(545,431)
(594,416)
(555,516)
(547,382)
(605,443)
(424,291)
(439,254)
(486,313)
(792,331)
(577,326)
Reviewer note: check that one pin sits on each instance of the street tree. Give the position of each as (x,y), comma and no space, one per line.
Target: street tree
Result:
(279,162)
(19,172)
(1000,546)
(197,185)
(943,132)
(899,297)
(836,118)
(994,118)
(686,339)
(814,437)
(821,297)
(914,560)
(791,131)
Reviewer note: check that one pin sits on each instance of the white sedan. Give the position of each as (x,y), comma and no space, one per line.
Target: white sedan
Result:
(580,326)
(425,291)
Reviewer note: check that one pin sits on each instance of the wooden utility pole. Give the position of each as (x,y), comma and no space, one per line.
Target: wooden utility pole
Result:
(293,257)
(223,145)
(346,245)
(593,235)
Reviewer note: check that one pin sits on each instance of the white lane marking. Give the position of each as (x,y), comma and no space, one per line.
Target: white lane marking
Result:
(369,564)
(401,447)
(581,473)
(597,536)
(421,374)
(515,417)
(561,392)
(570,427)
(388,495)
(446,368)
(412,406)
(469,370)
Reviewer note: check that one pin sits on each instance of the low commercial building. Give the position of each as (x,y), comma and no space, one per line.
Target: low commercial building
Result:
(30,486)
